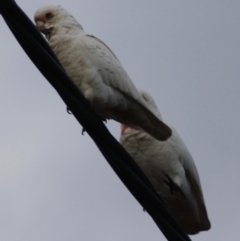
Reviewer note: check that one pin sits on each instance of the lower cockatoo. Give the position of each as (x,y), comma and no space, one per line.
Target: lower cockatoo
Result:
(169,166)
(97,72)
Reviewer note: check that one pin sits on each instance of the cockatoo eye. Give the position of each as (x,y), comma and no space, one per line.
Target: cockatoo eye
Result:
(49,16)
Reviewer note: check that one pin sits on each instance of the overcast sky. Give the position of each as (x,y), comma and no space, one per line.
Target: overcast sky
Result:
(54,183)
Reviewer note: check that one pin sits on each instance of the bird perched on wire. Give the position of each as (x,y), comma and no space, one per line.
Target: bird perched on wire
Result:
(170,168)
(97,72)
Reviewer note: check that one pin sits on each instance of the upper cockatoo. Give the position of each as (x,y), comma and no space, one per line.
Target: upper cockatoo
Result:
(97,72)
(169,161)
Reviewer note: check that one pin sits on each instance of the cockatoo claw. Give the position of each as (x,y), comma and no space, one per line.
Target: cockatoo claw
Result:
(83,131)
(69,111)
(173,186)
(105,121)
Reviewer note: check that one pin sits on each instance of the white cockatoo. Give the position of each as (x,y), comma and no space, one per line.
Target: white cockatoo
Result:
(97,72)
(169,162)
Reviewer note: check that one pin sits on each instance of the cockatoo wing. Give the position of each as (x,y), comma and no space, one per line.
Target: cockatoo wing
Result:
(193,180)
(198,196)
(113,74)
(125,96)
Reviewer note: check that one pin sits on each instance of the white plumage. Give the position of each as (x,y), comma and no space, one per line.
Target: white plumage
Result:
(173,158)
(97,72)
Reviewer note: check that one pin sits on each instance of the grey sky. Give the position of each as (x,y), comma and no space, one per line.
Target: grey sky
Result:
(54,183)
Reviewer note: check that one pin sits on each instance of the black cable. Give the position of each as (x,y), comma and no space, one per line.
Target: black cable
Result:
(124,166)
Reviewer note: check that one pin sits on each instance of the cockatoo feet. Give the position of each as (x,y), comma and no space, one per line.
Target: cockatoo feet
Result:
(173,186)
(104,120)
(101,118)
(69,111)
(83,131)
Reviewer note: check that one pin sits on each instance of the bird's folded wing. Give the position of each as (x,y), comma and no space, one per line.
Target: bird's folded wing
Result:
(194,182)
(204,223)
(112,72)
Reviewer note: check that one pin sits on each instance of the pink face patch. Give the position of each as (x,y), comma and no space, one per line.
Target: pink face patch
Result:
(124,128)
(43,18)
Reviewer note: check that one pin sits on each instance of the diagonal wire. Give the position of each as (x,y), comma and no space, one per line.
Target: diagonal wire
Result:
(124,166)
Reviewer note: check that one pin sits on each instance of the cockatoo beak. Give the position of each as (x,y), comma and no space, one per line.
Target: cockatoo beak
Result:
(39,24)
(43,27)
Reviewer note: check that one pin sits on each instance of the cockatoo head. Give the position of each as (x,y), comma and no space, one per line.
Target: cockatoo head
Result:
(51,19)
